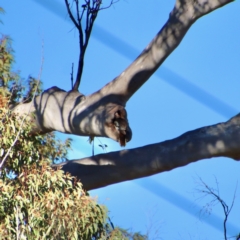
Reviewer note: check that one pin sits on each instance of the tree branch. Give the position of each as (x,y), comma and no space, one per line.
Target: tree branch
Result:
(82,45)
(222,139)
(71,15)
(184,14)
(209,191)
(90,9)
(72,112)
(102,113)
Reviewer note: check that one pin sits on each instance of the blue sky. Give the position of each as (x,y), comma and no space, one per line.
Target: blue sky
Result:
(208,59)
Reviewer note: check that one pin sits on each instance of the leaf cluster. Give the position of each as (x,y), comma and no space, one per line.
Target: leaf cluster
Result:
(38,202)
(11,85)
(9,80)
(41,202)
(123,234)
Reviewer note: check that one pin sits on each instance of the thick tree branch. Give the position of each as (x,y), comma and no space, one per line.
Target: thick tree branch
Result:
(184,14)
(222,139)
(102,113)
(72,112)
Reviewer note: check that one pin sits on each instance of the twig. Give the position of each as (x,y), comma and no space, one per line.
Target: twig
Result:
(72,75)
(90,9)
(70,14)
(216,195)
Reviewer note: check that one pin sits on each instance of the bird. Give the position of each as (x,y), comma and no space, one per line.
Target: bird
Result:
(121,126)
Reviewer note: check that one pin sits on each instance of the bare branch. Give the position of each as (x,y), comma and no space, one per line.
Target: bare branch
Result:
(78,15)
(90,9)
(81,35)
(71,15)
(216,198)
(234,197)
(110,4)
(78,25)
(72,75)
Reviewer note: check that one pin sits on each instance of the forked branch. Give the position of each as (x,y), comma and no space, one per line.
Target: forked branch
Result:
(87,13)
(215,195)
(103,112)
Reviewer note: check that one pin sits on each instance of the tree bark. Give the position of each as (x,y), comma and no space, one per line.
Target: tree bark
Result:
(222,139)
(103,112)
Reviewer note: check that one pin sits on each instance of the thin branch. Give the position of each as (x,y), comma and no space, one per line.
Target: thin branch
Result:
(83,11)
(217,198)
(78,16)
(87,18)
(72,76)
(70,14)
(81,35)
(80,69)
(91,11)
(234,197)
(110,4)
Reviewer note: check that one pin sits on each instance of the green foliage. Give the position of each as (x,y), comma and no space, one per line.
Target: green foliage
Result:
(40,202)
(123,234)
(116,233)
(37,201)
(10,83)
(10,86)
(43,203)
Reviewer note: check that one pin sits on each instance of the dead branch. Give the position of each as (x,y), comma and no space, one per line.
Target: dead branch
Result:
(86,12)
(214,193)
